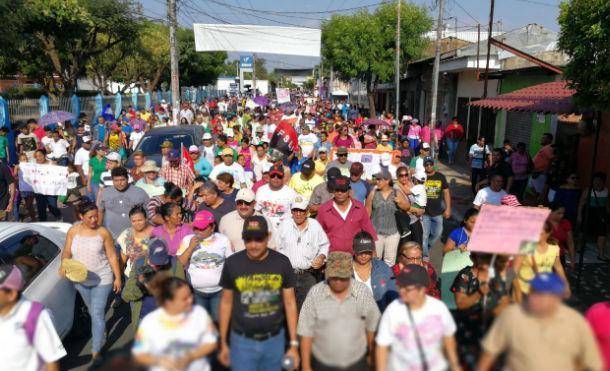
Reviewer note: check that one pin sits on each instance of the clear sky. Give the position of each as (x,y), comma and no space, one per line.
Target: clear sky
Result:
(510,13)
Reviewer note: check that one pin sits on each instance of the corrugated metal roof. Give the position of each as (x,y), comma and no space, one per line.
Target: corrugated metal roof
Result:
(551,97)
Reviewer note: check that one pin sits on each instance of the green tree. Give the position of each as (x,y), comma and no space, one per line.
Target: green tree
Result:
(71,32)
(585,37)
(362,45)
(197,68)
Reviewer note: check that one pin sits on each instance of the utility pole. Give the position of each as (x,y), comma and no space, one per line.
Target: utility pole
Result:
(173,56)
(491,23)
(437,63)
(254,75)
(398,62)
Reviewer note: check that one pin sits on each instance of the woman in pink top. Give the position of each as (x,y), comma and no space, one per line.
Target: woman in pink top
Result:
(172,230)
(92,245)
(521,163)
(414,135)
(426,133)
(343,139)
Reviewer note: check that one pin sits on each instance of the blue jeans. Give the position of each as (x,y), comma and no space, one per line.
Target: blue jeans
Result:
(95,298)
(253,355)
(210,302)
(414,145)
(433,229)
(95,187)
(452,146)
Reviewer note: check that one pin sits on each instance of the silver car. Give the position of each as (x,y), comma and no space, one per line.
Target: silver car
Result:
(37,249)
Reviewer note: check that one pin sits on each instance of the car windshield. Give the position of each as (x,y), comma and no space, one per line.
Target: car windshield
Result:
(151,145)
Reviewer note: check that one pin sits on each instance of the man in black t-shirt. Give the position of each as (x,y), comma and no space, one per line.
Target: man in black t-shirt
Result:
(7,191)
(258,296)
(437,192)
(499,167)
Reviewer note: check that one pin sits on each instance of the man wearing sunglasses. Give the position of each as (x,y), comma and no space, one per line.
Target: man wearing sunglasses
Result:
(342,163)
(273,199)
(257,298)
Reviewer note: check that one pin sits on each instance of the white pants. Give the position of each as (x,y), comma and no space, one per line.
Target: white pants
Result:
(386,247)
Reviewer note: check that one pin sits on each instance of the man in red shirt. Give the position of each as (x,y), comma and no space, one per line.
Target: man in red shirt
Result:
(453,132)
(343,217)
(544,157)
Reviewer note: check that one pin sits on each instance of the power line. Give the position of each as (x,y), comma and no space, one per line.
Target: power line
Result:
(301,12)
(540,3)
(456,2)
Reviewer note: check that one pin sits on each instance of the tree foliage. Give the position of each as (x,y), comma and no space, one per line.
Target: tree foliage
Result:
(362,45)
(585,37)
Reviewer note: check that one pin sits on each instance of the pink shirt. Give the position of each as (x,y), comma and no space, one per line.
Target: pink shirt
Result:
(598,317)
(173,244)
(414,132)
(425,134)
(347,142)
(519,163)
(341,232)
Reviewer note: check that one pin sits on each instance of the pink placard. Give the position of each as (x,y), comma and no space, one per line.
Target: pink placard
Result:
(508,230)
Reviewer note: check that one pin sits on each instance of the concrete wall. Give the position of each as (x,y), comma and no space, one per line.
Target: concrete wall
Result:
(469,86)
(585,152)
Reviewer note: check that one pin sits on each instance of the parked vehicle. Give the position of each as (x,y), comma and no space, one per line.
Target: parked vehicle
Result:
(37,248)
(150,143)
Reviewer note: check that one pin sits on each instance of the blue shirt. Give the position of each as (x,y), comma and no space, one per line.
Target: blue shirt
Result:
(361,190)
(459,236)
(203,167)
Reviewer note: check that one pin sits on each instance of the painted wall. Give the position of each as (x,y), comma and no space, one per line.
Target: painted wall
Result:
(469,86)
(516,82)
(585,152)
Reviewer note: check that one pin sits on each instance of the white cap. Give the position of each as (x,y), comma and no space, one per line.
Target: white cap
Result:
(300,203)
(406,118)
(207,136)
(323,149)
(193,149)
(86,139)
(384,138)
(113,156)
(386,157)
(267,166)
(420,175)
(246,195)
(425,145)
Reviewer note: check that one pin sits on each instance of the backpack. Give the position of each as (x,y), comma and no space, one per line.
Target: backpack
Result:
(31,321)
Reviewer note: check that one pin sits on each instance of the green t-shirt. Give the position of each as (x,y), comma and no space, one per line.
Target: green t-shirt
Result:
(98,167)
(3,146)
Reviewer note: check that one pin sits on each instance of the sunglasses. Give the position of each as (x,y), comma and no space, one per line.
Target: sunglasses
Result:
(276,175)
(299,211)
(403,175)
(342,155)
(242,202)
(341,191)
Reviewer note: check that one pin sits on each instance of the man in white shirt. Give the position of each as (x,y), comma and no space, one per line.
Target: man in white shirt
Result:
(81,160)
(186,113)
(135,136)
(416,331)
(304,242)
(307,141)
(490,195)
(274,199)
(28,339)
(58,149)
(207,149)
(228,166)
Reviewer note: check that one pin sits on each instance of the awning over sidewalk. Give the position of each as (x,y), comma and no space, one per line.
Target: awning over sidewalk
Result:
(551,97)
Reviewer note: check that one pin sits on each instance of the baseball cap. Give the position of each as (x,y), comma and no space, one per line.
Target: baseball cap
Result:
(308,167)
(255,227)
(203,219)
(11,277)
(276,156)
(406,118)
(425,145)
(167,144)
(548,283)
(342,151)
(323,149)
(386,158)
(363,244)
(227,152)
(384,138)
(157,252)
(333,173)
(340,183)
(207,136)
(173,154)
(300,203)
(510,200)
(339,265)
(413,275)
(428,160)
(246,195)
(420,175)
(193,149)
(259,130)
(86,139)
(356,169)
(113,156)
(277,169)
(267,166)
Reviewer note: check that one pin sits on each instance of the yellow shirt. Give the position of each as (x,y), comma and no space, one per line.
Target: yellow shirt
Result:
(321,167)
(304,187)
(387,147)
(544,263)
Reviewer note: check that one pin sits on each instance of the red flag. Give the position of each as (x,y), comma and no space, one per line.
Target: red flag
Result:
(186,158)
(284,138)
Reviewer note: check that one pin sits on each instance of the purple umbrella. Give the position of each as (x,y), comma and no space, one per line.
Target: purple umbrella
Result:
(140,122)
(261,100)
(288,106)
(377,122)
(54,117)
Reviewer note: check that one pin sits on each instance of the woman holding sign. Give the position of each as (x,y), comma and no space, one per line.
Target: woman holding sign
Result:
(45,201)
(545,259)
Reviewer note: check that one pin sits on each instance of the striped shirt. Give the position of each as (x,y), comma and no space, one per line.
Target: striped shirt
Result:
(338,328)
(182,176)
(301,247)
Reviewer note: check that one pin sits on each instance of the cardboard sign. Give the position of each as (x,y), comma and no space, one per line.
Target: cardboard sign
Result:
(508,230)
(50,180)
(283,95)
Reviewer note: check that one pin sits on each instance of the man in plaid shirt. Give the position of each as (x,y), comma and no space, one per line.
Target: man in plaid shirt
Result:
(176,172)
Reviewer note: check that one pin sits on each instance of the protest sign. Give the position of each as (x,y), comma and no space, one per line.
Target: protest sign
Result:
(507,229)
(283,95)
(370,159)
(50,180)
